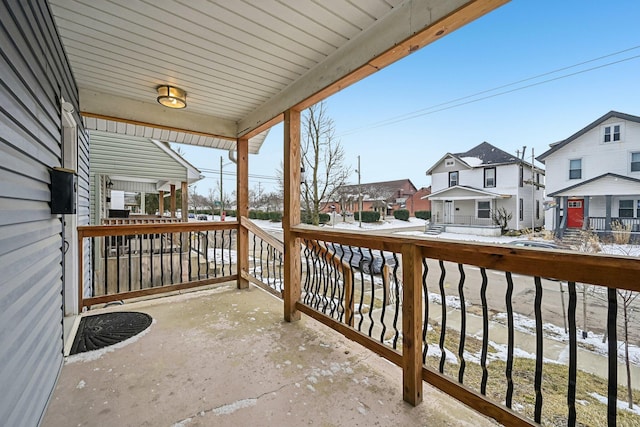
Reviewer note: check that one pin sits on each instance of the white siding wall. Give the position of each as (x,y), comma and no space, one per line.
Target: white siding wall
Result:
(598,158)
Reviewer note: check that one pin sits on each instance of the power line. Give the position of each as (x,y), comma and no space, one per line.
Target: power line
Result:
(435,108)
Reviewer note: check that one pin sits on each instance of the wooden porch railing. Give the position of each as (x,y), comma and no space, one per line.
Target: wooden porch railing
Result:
(134,260)
(425,330)
(428,306)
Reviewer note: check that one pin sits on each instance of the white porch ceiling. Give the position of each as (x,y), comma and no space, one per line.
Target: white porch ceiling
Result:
(241,62)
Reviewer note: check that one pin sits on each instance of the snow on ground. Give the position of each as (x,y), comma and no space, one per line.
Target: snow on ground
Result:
(621,404)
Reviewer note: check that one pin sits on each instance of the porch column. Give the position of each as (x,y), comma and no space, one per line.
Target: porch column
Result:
(607,220)
(173,200)
(161,202)
(291,216)
(412,324)
(143,203)
(184,195)
(242,210)
(585,214)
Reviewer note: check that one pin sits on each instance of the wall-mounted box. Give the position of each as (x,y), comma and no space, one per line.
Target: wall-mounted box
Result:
(63,191)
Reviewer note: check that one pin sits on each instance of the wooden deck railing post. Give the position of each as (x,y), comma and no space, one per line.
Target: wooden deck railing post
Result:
(412,324)
(242,191)
(81,272)
(292,261)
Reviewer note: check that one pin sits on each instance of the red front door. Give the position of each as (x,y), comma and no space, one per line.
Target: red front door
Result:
(575,213)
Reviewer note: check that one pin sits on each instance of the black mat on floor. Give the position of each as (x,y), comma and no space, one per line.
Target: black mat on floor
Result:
(106,329)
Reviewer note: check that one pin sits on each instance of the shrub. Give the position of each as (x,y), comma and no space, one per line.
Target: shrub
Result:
(401,214)
(324,218)
(367,216)
(423,214)
(275,216)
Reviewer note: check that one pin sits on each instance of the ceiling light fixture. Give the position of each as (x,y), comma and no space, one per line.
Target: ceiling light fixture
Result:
(172,97)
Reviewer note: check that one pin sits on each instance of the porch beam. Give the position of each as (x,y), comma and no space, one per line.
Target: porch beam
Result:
(118,108)
(291,218)
(409,27)
(412,324)
(242,210)
(161,202)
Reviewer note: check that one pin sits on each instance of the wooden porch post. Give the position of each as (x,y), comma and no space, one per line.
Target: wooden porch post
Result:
(184,188)
(173,200)
(242,191)
(161,202)
(412,324)
(291,214)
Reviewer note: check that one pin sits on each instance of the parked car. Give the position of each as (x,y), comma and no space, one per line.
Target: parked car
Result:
(203,218)
(365,259)
(534,244)
(192,216)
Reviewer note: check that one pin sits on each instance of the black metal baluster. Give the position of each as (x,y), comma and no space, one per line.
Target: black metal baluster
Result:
(181,251)
(510,334)
(463,323)
(198,252)
(373,289)
(573,355)
(317,277)
(485,331)
(325,267)
(425,320)
(280,262)
(261,256)
(537,306)
(118,240)
(129,259)
(612,298)
(140,240)
(385,282)
(361,291)
(106,264)
(396,304)
(215,252)
(171,258)
(229,252)
(253,255)
(151,237)
(189,268)
(443,320)
(206,252)
(307,282)
(342,291)
(267,263)
(162,259)
(93,266)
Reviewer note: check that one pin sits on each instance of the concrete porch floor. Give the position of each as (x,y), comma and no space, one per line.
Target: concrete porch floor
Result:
(224,357)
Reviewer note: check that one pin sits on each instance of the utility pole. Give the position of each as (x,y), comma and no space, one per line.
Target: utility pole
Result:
(359,196)
(533,194)
(221,193)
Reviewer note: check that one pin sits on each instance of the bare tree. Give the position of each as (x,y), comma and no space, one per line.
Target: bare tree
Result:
(323,161)
(501,217)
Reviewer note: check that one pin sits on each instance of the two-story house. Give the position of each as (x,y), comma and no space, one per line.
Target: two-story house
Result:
(594,176)
(468,187)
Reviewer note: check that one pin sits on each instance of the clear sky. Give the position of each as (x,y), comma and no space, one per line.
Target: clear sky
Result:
(575,60)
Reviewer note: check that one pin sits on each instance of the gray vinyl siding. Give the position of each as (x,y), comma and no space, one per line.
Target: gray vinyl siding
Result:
(34,75)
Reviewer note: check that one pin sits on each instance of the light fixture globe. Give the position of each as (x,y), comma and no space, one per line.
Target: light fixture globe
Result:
(172,97)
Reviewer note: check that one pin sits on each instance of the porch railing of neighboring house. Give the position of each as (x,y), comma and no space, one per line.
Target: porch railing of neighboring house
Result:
(598,223)
(133,220)
(135,260)
(464,220)
(434,311)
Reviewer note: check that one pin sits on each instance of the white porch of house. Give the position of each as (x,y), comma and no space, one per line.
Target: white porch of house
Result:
(467,210)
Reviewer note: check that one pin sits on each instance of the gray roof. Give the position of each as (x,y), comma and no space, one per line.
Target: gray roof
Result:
(489,154)
(558,145)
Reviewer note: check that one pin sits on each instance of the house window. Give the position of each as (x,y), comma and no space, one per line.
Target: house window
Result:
(489,177)
(453,179)
(449,163)
(521,213)
(537,209)
(521,176)
(625,209)
(538,181)
(484,209)
(575,169)
(612,133)
(635,162)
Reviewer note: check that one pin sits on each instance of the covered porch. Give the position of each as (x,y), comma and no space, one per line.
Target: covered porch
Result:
(463,209)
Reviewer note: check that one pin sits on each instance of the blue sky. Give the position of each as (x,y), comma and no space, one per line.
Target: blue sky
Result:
(521,40)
